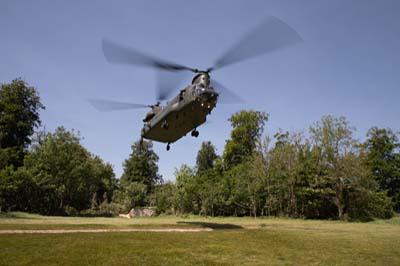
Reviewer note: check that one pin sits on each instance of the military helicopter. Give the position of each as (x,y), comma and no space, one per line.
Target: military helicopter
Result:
(190,108)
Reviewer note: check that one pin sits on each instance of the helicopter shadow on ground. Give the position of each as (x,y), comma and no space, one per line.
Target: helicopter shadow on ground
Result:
(214,226)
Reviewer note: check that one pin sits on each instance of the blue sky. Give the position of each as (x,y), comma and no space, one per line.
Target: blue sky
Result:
(348,64)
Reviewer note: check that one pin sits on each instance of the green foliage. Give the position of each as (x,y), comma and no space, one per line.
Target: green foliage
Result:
(247,129)
(140,177)
(68,176)
(163,198)
(365,205)
(383,160)
(206,157)
(134,195)
(362,200)
(333,136)
(186,195)
(141,166)
(199,193)
(19,116)
(324,177)
(18,191)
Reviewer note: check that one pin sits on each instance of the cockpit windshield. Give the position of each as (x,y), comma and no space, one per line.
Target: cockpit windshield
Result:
(199,89)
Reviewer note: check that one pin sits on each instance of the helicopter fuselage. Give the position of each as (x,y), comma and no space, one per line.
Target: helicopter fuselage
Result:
(184,113)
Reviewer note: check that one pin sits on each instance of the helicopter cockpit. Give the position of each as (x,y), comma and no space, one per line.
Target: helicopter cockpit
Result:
(207,94)
(198,89)
(155,109)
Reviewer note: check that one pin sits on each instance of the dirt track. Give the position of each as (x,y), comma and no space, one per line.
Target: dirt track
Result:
(69,231)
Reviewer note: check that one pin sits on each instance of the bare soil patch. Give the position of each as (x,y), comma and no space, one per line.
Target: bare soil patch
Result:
(68,231)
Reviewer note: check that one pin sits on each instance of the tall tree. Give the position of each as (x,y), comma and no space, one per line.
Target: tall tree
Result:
(206,157)
(19,116)
(334,137)
(247,129)
(141,166)
(284,170)
(383,160)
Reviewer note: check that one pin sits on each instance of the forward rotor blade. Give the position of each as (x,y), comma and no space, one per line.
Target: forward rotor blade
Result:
(225,95)
(105,105)
(272,34)
(116,53)
(168,82)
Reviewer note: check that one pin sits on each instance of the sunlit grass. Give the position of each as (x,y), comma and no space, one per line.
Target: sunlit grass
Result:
(242,241)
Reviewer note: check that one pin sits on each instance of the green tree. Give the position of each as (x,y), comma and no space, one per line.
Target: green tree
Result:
(313,190)
(362,201)
(250,182)
(18,191)
(19,116)
(164,197)
(141,166)
(334,137)
(206,157)
(383,160)
(187,194)
(104,179)
(285,161)
(135,195)
(207,179)
(247,129)
(69,177)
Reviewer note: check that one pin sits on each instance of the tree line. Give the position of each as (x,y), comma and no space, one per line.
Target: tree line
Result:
(324,173)
(327,175)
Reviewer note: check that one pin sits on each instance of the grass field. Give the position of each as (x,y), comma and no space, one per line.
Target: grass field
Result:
(233,241)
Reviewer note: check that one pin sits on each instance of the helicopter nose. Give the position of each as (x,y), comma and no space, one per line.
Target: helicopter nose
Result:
(209,95)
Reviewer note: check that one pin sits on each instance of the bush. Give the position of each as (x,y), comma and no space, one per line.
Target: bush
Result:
(105,209)
(163,198)
(366,205)
(110,209)
(18,191)
(70,211)
(381,206)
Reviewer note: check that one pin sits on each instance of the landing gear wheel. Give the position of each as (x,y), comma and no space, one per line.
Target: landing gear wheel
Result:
(195,133)
(168,147)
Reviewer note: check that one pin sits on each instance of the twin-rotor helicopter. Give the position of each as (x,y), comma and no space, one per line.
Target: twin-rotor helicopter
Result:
(189,109)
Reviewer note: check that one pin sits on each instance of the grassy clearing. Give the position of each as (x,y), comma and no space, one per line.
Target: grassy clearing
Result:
(275,242)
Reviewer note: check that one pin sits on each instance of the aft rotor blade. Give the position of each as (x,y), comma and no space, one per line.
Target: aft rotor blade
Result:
(116,53)
(225,95)
(106,105)
(168,82)
(272,34)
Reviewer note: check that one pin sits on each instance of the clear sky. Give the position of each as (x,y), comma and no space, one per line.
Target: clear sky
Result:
(348,64)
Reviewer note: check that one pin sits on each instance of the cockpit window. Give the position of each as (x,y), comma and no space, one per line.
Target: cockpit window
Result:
(198,89)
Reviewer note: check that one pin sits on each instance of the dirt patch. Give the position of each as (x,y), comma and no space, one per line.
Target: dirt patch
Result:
(69,231)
